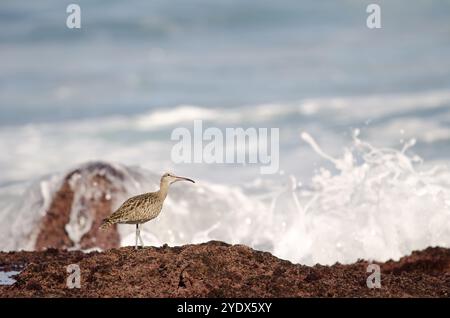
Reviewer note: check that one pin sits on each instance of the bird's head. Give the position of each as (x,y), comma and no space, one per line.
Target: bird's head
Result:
(169,178)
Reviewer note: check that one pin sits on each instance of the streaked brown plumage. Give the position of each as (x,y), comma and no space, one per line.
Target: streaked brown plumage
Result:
(144,207)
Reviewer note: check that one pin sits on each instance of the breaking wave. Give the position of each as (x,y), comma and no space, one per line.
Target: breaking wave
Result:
(143,140)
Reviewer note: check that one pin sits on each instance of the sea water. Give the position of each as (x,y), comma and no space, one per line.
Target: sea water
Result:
(6,277)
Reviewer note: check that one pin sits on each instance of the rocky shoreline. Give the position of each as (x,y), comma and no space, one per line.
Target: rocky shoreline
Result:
(213,269)
(217,269)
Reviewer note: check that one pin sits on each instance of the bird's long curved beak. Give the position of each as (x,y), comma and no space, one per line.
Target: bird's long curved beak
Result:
(185,179)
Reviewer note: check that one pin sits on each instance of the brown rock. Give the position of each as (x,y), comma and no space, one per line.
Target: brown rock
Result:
(53,232)
(216,269)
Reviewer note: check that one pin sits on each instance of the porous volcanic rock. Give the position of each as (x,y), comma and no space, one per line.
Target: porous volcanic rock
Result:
(217,269)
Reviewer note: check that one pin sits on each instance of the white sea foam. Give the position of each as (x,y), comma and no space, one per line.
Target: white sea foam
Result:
(23,207)
(379,205)
(144,139)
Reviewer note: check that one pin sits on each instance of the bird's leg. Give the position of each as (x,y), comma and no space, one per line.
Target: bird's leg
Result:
(140,238)
(137,234)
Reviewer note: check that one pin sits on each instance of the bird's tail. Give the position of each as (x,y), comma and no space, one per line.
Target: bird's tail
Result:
(106,223)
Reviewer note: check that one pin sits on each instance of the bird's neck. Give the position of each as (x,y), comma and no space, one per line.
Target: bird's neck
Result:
(163,189)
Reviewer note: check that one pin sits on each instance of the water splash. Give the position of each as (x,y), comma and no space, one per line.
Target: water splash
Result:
(378,206)
(23,206)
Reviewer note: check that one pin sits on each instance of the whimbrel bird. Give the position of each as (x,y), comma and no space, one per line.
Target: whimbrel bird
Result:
(144,207)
